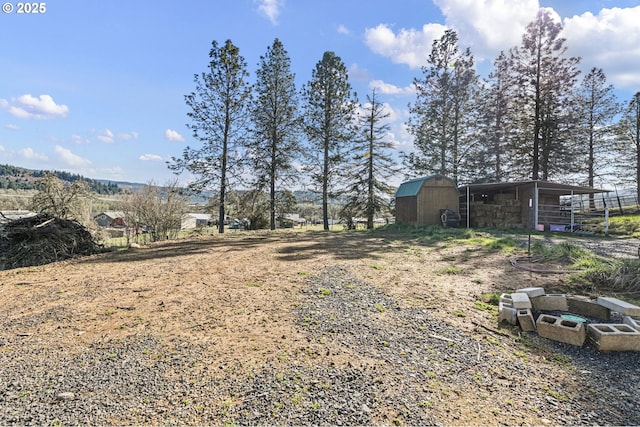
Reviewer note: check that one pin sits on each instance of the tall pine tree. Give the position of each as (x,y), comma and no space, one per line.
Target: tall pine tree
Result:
(545,79)
(628,144)
(329,122)
(219,120)
(274,144)
(596,107)
(441,117)
(372,163)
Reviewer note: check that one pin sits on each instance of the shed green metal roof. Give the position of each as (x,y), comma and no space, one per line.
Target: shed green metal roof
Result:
(412,187)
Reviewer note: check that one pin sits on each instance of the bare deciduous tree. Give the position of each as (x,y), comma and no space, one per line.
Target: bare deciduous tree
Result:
(158,209)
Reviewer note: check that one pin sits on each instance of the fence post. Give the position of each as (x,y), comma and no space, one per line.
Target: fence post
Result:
(606,220)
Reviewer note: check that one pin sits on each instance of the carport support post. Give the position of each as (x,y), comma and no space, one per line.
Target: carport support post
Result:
(573,217)
(536,201)
(468,205)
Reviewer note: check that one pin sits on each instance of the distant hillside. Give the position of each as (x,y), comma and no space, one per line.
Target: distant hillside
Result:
(13,177)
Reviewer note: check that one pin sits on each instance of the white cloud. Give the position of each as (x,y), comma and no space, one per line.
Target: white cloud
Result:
(106,136)
(30,107)
(358,74)
(150,158)
(342,29)
(1,148)
(270,9)
(11,126)
(489,26)
(609,40)
(390,89)
(408,46)
(77,139)
(29,154)
(128,136)
(69,158)
(173,136)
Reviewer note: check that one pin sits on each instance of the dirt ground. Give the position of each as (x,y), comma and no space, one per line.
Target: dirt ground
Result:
(234,295)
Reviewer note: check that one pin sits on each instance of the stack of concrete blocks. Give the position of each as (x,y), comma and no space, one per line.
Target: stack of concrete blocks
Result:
(517,309)
(617,336)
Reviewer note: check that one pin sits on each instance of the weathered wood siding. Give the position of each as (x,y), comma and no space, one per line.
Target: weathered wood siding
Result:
(406,212)
(436,193)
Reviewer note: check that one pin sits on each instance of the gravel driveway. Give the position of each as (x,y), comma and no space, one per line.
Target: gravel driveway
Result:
(614,247)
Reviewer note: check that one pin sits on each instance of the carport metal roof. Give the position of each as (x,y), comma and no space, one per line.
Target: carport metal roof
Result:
(543,186)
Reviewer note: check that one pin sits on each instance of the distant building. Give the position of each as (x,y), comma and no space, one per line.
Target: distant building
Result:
(291,220)
(110,219)
(194,220)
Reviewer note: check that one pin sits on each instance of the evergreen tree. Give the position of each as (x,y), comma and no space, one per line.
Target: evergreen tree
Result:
(596,107)
(440,120)
(628,144)
(329,122)
(545,79)
(495,105)
(219,115)
(372,163)
(276,124)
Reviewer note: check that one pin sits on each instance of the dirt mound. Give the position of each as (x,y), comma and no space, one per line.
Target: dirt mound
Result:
(42,239)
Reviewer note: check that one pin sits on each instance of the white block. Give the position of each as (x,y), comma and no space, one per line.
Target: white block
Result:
(520,300)
(532,292)
(620,306)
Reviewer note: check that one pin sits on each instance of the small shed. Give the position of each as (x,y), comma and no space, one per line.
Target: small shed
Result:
(419,201)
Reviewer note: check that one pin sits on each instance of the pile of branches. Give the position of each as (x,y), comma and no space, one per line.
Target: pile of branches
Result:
(42,239)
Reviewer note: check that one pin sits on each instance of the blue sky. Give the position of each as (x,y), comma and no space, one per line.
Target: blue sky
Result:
(96,87)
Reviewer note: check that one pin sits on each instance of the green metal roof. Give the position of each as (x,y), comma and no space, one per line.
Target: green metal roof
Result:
(412,188)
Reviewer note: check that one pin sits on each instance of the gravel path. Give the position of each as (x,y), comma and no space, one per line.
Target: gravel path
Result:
(613,247)
(369,362)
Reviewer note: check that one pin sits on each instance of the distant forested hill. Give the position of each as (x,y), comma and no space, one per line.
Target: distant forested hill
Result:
(13,177)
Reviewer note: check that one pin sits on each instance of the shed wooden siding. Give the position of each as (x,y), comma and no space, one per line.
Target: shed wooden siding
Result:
(406,212)
(436,193)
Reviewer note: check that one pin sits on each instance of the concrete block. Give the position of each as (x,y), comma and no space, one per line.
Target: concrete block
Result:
(634,322)
(550,302)
(614,337)
(520,300)
(526,320)
(532,292)
(508,313)
(563,330)
(619,306)
(506,298)
(583,306)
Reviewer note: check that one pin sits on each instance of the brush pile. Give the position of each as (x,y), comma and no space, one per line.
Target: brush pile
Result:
(42,239)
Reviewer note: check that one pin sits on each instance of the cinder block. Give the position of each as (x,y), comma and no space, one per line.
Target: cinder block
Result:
(532,292)
(520,300)
(526,320)
(563,330)
(620,306)
(634,322)
(507,312)
(614,337)
(550,302)
(506,298)
(584,306)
